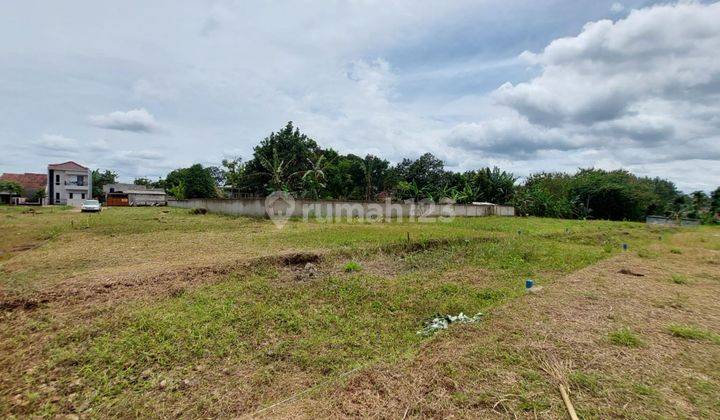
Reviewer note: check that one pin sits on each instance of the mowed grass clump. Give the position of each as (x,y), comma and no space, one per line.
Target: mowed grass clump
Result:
(625,337)
(690,332)
(679,279)
(352,266)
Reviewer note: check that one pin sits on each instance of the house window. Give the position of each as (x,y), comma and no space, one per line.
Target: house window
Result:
(82,196)
(57,196)
(57,179)
(71,196)
(112,190)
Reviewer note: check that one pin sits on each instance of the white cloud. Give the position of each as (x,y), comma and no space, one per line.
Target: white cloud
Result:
(665,52)
(142,154)
(137,120)
(509,136)
(650,81)
(617,7)
(57,143)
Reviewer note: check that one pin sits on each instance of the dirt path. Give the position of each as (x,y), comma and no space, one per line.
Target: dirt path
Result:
(611,325)
(121,288)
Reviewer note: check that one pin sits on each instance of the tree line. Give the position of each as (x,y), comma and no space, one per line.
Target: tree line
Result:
(289,160)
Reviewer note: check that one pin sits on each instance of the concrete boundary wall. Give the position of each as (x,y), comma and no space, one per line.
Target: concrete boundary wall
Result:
(300,208)
(666,221)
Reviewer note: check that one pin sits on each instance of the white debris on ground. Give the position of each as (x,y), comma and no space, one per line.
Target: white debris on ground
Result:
(442,322)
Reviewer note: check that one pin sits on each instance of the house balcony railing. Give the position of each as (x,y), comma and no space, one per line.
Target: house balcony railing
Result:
(76,184)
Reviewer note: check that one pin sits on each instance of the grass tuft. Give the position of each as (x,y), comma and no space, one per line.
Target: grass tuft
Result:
(690,332)
(679,279)
(352,266)
(625,337)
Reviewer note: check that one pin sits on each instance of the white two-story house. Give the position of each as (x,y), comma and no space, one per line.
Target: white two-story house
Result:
(69,183)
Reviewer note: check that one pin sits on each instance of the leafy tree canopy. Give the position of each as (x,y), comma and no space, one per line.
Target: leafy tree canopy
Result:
(11,187)
(100,179)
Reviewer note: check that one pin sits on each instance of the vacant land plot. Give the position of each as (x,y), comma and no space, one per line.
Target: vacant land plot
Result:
(156,312)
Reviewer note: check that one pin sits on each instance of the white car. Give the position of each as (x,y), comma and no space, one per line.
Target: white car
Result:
(90,205)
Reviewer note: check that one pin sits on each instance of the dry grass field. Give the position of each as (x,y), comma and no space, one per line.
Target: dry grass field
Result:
(156,312)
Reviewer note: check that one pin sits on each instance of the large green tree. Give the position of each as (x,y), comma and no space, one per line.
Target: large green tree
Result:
(715,201)
(100,179)
(281,154)
(235,174)
(193,182)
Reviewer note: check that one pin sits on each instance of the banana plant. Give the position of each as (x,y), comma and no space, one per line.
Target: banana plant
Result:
(314,177)
(275,168)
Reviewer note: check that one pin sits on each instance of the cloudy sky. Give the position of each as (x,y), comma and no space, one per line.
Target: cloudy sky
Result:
(144,87)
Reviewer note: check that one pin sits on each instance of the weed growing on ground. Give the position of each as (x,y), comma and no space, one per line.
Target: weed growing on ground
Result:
(679,279)
(352,266)
(625,337)
(690,332)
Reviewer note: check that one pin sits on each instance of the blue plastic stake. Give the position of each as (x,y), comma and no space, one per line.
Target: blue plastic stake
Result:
(529,284)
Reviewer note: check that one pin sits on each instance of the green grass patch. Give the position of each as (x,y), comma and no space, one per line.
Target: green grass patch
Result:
(679,279)
(625,337)
(352,266)
(588,381)
(690,332)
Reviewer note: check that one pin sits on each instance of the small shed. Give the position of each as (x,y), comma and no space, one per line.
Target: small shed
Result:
(133,195)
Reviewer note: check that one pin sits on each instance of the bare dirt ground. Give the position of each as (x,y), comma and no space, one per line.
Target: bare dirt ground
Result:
(118,288)
(496,369)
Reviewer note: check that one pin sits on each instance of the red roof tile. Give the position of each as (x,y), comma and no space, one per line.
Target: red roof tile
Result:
(70,165)
(28,181)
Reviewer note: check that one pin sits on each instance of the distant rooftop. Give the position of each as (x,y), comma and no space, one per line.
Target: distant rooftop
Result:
(67,166)
(29,181)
